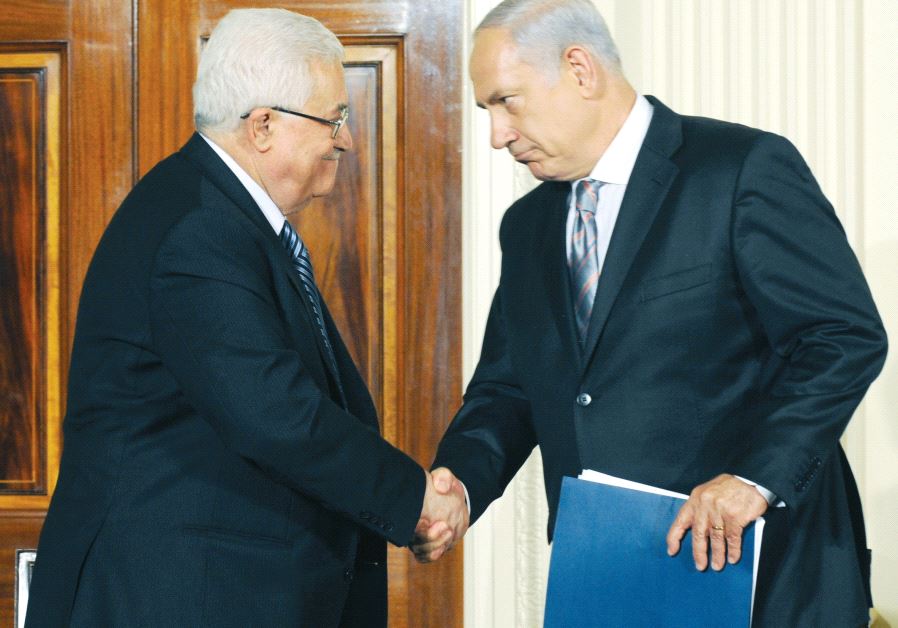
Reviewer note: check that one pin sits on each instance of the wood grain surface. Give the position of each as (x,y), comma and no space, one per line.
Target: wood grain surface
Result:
(21,260)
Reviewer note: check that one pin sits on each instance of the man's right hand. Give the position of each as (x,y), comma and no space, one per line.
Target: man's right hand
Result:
(444,517)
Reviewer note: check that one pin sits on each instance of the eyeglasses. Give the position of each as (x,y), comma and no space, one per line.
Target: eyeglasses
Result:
(337,124)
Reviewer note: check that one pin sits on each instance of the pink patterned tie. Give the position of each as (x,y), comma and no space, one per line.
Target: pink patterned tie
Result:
(584,257)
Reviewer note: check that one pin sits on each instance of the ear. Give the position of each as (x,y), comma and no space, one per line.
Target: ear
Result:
(586,73)
(259,130)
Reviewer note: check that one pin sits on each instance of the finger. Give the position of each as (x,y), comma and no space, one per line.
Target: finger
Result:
(422,532)
(429,556)
(438,552)
(734,544)
(718,546)
(423,525)
(678,528)
(442,480)
(700,547)
(437,530)
(429,546)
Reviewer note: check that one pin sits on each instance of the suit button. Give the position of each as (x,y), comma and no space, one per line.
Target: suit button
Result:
(388,526)
(583,399)
(365,515)
(347,575)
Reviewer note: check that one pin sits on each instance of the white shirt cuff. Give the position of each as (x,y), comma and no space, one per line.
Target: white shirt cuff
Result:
(768,495)
(467,499)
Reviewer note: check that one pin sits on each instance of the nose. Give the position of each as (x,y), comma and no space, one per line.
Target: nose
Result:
(343,141)
(501,133)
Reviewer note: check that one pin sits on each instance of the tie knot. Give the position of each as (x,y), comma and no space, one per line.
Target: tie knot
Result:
(291,240)
(587,195)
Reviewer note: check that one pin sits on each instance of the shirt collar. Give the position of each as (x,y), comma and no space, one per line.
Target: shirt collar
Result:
(616,163)
(269,209)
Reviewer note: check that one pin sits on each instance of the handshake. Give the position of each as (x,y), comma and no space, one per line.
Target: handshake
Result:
(444,517)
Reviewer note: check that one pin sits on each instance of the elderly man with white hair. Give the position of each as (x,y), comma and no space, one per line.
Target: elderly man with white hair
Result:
(223,464)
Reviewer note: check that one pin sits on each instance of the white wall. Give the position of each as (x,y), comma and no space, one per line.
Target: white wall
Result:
(822,73)
(873,446)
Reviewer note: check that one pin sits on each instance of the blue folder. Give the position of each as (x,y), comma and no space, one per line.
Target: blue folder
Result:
(609,566)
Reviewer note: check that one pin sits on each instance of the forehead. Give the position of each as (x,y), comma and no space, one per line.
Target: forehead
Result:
(496,66)
(329,83)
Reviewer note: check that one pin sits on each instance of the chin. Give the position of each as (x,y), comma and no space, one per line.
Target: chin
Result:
(538,172)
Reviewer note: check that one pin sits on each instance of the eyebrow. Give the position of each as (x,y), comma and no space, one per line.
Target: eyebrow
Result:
(493,98)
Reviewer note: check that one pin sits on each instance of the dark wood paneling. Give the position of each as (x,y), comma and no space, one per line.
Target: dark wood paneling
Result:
(22,206)
(34,20)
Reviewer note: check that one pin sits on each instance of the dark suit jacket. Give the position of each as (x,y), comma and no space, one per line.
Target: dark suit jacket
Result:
(210,475)
(732,332)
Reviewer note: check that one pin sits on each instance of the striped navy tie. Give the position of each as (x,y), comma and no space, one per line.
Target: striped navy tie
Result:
(299,255)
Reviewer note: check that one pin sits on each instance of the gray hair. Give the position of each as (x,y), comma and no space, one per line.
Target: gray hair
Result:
(543,29)
(259,58)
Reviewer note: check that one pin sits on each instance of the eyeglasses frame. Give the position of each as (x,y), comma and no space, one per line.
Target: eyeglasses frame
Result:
(337,124)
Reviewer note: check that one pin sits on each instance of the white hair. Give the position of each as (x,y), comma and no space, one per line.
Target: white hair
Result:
(544,29)
(259,58)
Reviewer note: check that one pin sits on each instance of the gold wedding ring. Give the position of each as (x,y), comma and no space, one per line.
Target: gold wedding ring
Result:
(717,527)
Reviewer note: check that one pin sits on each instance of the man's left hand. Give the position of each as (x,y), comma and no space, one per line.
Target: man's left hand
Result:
(717,511)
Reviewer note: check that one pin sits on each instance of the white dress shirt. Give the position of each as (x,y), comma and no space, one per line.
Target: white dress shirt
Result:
(269,209)
(613,170)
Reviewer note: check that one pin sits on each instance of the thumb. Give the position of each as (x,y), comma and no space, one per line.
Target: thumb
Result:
(442,480)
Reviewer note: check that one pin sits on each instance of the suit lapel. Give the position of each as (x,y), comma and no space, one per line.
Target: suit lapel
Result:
(554,263)
(653,173)
(198,152)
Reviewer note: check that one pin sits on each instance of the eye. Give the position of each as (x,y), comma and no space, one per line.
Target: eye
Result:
(508,101)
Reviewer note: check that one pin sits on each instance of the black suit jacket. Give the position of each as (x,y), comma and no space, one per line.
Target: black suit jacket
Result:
(732,332)
(210,474)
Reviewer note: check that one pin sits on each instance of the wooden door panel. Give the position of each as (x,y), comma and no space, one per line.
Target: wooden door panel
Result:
(21,94)
(30,317)
(29,276)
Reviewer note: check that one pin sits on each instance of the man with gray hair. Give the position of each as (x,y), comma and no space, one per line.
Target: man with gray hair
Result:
(678,306)
(223,464)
